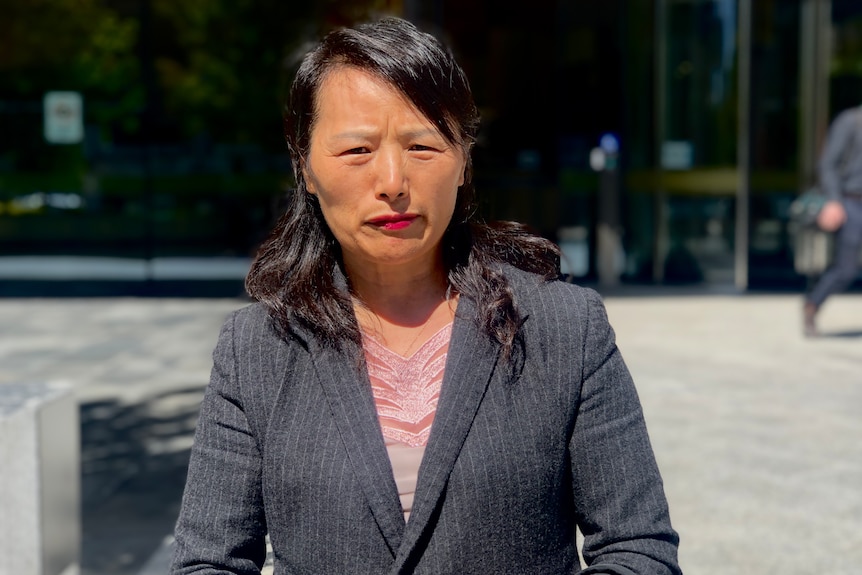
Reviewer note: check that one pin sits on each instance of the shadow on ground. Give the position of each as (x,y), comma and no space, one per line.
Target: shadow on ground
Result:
(842,334)
(133,462)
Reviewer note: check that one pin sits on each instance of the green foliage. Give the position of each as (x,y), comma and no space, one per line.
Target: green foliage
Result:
(223,66)
(80,45)
(213,67)
(108,70)
(65,44)
(220,64)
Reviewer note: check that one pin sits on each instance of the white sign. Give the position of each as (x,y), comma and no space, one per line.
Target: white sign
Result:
(64,117)
(574,250)
(598,159)
(677,155)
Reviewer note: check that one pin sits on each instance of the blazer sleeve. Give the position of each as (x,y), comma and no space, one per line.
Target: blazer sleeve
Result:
(221,527)
(836,155)
(618,492)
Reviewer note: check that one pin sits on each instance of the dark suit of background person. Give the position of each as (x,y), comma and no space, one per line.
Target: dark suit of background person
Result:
(841,182)
(536,429)
(288,442)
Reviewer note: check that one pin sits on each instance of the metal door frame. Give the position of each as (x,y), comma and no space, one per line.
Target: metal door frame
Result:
(743,167)
(815,30)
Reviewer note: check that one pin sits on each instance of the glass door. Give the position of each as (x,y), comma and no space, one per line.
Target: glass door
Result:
(785,88)
(697,138)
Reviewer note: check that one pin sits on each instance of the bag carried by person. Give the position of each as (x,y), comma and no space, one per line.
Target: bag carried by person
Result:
(812,250)
(812,247)
(804,209)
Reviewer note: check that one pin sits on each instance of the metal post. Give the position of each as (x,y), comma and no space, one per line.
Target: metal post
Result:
(743,144)
(808,92)
(824,56)
(814,53)
(147,118)
(608,240)
(660,234)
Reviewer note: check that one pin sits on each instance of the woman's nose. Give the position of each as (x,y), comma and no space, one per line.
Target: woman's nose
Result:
(391,180)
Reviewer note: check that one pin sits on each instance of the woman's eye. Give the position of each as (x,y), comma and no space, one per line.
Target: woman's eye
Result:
(420,148)
(360,150)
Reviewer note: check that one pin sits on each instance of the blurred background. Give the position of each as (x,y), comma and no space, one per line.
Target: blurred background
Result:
(659,142)
(141,148)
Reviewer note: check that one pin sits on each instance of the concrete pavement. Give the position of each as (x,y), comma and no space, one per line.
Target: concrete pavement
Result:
(138,367)
(757,430)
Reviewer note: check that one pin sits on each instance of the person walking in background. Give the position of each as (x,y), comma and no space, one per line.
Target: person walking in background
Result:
(841,182)
(414,391)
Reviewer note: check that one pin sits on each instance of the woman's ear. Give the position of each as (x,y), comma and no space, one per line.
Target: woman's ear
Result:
(309,181)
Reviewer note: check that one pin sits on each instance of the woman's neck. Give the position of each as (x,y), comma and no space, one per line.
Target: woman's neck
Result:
(402,298)
(403,314)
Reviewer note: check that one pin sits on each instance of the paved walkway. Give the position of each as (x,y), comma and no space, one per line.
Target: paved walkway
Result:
(756,429)
(138,367)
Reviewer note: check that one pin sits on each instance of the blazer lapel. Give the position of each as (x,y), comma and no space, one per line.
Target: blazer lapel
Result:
(351,402)
(470,364)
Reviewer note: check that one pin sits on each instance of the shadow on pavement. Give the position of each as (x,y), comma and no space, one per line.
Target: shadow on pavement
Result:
(134,458)
(842,334)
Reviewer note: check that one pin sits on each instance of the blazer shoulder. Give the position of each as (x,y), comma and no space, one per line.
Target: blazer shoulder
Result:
(254,312)
(848,115)
(252,358)
(250,331)
(251,321)
(565,321)
(533,292)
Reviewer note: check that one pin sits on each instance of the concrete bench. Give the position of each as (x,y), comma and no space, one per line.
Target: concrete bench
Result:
(40,479)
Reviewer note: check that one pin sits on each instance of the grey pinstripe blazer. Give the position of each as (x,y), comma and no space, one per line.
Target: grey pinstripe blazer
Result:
(288,443)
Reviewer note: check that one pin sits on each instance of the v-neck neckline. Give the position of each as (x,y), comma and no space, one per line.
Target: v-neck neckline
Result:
(379,343)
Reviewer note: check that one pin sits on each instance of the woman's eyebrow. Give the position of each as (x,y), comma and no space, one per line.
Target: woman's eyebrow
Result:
(420,133)
(354,134)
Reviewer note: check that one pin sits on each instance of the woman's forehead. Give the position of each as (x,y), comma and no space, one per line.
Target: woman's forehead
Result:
(350,79)
(355,80)
(351,93)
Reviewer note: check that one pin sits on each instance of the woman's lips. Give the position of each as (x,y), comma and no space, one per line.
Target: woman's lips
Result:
(398,222)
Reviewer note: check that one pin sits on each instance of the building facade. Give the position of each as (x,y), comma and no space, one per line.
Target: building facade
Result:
(657,141)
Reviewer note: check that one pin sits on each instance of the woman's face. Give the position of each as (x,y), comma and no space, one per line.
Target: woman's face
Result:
(385,178)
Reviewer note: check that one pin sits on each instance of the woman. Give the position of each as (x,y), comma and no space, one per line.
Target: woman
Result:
(414,392)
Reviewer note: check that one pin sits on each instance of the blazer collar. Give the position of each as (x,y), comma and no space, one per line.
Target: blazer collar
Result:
(470,365)
(348,391)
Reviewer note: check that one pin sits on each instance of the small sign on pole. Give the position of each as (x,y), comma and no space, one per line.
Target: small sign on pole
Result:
(64,117)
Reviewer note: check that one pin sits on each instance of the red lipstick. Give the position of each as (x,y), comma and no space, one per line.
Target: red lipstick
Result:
(394,221)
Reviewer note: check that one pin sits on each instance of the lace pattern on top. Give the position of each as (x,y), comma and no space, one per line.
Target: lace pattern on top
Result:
(406,389)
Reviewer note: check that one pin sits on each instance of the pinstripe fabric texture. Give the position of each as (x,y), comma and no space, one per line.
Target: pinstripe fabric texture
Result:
(520,452)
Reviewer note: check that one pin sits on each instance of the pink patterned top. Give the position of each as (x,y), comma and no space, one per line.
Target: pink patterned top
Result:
(406,390)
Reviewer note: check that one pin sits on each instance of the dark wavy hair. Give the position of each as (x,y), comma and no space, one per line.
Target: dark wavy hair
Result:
(293,272)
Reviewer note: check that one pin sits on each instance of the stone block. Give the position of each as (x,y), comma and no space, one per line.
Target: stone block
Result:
(40,480)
